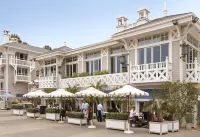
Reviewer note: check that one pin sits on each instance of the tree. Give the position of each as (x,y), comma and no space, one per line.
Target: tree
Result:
(100,86)
(73,89)
(47,47)
(25,43)
(17,37)
(179,99)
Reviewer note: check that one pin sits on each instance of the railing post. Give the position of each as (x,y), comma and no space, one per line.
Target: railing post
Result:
(167,68)
(195,69)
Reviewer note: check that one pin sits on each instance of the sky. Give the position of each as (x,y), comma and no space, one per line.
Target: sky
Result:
(78,22)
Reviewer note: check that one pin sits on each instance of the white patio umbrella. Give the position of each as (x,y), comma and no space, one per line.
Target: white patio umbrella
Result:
(91,92)
(60,93)
(129,91)
(35,94)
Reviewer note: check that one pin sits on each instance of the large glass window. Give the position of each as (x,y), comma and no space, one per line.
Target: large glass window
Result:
(50,70)
(192,55)
(22,71)
(71,69)
(116,65)
(93,65)
(153,39)
(21,56)
(153,54)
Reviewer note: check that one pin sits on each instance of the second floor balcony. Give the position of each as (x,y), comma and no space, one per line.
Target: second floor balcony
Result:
(20,62)
(23,78)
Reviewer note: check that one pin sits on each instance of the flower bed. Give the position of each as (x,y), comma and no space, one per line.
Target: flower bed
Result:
(76,118)
(32,112)
(17,109)
(52,114)
(117,121)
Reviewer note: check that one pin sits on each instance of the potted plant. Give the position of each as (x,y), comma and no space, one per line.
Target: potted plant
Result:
(198,122)
(117,121)
(156,124)
(32,112)
(76,118)
(52,114)
(17,109)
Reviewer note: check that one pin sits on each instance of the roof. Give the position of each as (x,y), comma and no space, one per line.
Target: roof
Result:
(63,48)
(26,47)
(155,20)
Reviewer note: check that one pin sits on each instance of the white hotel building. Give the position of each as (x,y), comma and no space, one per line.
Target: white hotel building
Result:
(155,50)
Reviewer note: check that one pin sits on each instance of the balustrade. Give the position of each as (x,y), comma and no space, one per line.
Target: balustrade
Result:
(193,72)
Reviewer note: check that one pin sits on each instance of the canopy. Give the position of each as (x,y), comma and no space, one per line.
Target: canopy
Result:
(34,94)
(7,95)
(60,93)
(128,90)
(91,92)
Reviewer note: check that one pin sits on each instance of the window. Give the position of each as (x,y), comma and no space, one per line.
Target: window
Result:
(22,71)
(191,55)
(117,50)
(153,39)
(153,54)
(116,65)
(48,62)
(93,55)
(71,59)
(71,69)
(93,65)
(1,86)
(21,56)
(49,71)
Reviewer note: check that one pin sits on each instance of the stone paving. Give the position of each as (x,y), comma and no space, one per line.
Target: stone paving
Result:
(21,126)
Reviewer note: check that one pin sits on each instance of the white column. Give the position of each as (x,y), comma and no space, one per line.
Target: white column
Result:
(6,72)
(137,107)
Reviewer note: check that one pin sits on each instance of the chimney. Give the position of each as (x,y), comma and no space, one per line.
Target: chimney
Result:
(6,36)
(121,23)
(143,16)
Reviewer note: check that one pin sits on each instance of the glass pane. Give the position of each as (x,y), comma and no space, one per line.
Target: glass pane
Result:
(164,51)
(92,70)
(96,65)
(112,64)
(148,55)
(140,56)
(70,72)
(156,54)
(99,64)
(118,64)
(67,70)
(74,68)
(87,67)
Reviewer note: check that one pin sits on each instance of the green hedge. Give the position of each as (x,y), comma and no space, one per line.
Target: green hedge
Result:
(117,116)
(75,114)
(16,106)
(52,110)
(32,110)
(198,120)
(103,72)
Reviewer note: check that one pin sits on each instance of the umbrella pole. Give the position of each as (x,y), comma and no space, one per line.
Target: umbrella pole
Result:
(129,124)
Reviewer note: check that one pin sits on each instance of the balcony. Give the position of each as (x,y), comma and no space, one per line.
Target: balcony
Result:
(108,79)
(26,63)
(23,78)
(193,72)
(48,82)
(154,72)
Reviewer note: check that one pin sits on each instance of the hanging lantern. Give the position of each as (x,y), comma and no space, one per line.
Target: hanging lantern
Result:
(185,49)
(42,71)
(122,59)
(37,73)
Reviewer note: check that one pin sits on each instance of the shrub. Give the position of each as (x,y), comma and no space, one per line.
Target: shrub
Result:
(14,102)
(103,72)
(16,106)
(198,120)
(28,105)
(32,110)
(75,75)
(52,110)
(117,116)
(84,74)
(75,115)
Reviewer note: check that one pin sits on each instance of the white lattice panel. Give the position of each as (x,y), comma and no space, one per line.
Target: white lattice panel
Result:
(193,72)
(48,82)
(109,79)
(155,72)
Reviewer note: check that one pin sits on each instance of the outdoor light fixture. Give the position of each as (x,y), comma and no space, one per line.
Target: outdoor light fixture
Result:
(122,59)
(185,50)
(195,19)
(37,73)
(175,22)
(42,71)
(34,59)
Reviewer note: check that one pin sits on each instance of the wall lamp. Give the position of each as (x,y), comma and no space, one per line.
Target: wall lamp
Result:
(175,22)
(185,50)
(195,19)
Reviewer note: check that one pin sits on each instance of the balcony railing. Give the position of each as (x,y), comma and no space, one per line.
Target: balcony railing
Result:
(193,72)
(48,82)
(23,78)
(108,79)
(15,61)
(154,72)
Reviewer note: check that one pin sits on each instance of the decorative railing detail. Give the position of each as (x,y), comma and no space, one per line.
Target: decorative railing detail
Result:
(15,61)
(108,79)
(154,72)
(48,82)
(193,72)
(23,78)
